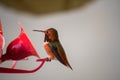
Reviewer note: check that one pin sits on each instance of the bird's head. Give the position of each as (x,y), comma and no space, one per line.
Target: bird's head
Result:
(51,34)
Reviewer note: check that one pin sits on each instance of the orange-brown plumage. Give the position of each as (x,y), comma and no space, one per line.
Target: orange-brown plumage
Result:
(53,46)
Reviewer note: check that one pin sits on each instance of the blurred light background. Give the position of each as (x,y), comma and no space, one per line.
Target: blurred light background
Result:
(90,35)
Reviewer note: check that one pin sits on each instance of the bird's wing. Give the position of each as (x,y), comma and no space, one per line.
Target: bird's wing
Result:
(54,49)
(59,53)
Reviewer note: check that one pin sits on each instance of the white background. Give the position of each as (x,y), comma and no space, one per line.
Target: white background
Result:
(89,35)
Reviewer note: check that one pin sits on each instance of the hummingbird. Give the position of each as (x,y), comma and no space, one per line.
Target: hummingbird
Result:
(53,47)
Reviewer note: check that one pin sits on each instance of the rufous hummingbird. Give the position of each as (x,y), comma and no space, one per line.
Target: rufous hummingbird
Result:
(53,46)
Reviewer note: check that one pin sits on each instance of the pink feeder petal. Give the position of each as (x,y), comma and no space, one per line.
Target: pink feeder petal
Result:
(2,41)
(20,48)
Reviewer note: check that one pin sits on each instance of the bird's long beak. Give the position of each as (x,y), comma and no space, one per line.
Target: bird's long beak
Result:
(39,31)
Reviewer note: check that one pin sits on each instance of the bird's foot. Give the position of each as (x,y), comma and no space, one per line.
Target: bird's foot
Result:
(48,59)
(45,59)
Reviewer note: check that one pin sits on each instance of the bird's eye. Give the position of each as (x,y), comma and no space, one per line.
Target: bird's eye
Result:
(47,32)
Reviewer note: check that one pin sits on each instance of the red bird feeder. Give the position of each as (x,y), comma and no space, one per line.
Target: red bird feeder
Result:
(18,49)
